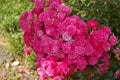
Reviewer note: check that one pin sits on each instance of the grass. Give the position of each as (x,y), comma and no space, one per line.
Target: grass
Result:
(10,11)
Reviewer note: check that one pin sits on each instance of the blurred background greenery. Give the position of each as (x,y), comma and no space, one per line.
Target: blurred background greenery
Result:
(106,12)
(10,11)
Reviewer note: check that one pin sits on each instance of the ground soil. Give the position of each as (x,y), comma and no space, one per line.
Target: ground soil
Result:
(11,68)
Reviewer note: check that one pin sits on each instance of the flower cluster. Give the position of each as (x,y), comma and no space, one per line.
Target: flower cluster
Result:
(64,43)
(117,74)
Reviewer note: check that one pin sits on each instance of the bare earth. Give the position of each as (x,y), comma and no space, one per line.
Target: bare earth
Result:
(11,68)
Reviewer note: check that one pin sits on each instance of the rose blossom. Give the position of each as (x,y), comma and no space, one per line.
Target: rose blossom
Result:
(63,43)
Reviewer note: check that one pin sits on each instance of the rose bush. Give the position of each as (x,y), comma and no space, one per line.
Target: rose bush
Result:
(63,43)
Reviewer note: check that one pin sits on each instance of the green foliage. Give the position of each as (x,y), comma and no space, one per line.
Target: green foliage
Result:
(10,11)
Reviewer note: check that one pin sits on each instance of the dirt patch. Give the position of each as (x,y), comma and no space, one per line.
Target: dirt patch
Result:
(11,68)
